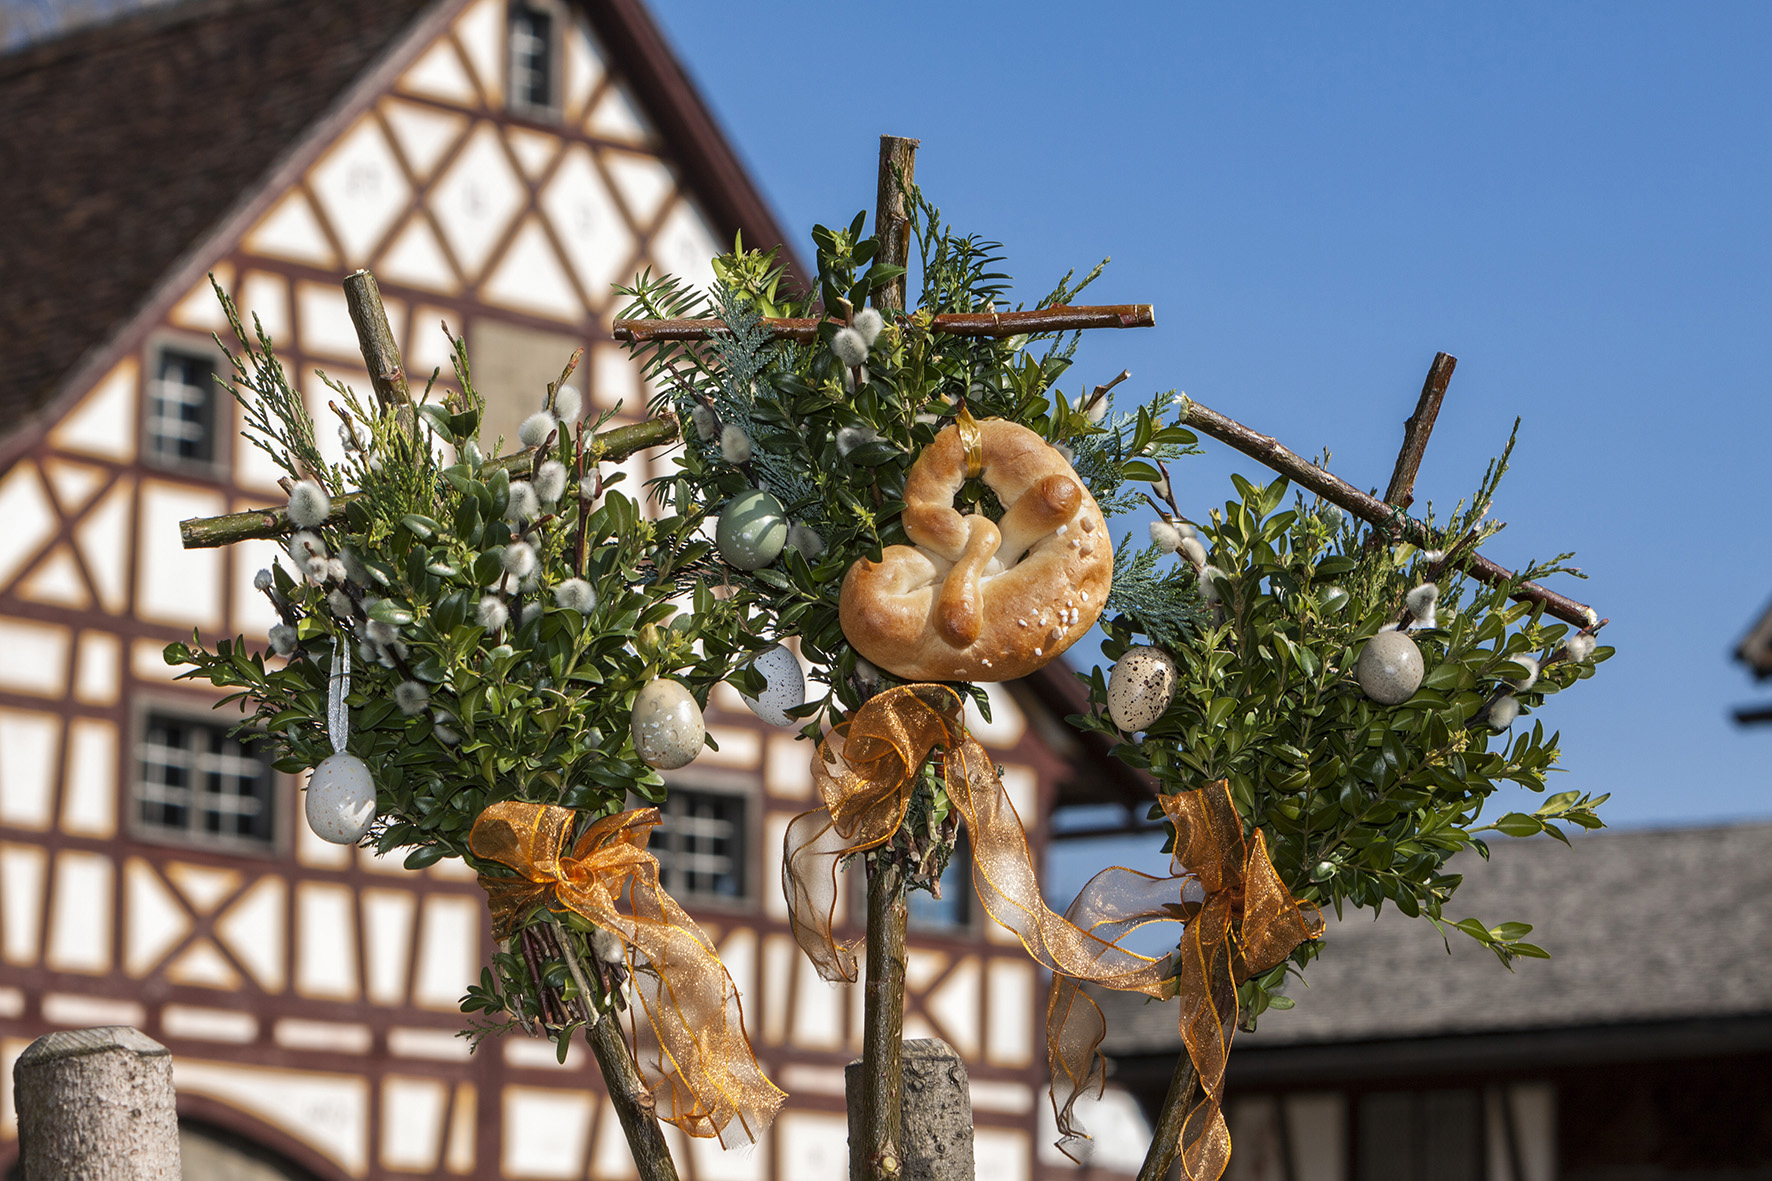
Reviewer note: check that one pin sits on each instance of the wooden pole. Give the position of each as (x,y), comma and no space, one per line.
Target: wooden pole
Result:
(615,445)
(1166,1136)
(633,1102)
(1374,511)
(1417,428)
(877,1111)
(892,223)
(996,325)
(381,353)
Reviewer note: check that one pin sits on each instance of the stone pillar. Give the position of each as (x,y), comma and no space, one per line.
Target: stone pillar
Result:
(96,1104)
(936,1141)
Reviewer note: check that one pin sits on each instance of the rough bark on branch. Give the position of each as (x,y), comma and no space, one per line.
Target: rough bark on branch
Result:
(1416,430)
(1059,318)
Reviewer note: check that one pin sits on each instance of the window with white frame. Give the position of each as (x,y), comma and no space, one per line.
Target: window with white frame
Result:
(530,69)
(181,417)
(700,843)
(195,782)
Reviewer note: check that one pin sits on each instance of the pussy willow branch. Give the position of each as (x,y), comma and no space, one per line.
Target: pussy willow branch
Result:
(804,329)
(1374,511)
(614,445)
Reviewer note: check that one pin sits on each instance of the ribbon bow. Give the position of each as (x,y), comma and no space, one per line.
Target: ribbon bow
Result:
(866,772)
(699,1065)
(1241,921)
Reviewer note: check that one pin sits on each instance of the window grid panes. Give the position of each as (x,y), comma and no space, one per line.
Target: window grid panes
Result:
(196,783)
(181,409)
(532,58)
(1420,1136)
(700,844)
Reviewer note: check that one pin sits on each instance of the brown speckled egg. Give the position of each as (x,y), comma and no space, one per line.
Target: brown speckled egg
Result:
(1390,668)
(667,725)
(1140,688)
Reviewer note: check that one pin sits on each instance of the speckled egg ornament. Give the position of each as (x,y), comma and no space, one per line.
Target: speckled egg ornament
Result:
(752,530)
(667,725)
(786,686)
(341,799)
(1390,668)
(1140,688)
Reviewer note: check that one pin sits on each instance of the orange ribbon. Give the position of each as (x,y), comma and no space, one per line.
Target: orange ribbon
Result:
(1241,921)
(866,771)
(697,1062)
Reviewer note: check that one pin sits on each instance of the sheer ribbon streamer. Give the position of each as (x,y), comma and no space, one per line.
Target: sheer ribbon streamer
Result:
(1241,921)
(866,772)
(692,1053)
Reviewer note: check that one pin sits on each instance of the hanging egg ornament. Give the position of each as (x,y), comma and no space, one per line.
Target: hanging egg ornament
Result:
(667,725)
(341,799)
(752,530)
(1390,668)
(786,686)
(1140,688)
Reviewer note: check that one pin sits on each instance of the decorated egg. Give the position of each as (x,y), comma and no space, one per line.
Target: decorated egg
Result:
(786,688)
(667,725)
(1140,688)
(1390,668)
(752,530)
(341,799)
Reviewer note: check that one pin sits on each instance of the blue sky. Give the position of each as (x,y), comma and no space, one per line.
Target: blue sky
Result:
(1573,199)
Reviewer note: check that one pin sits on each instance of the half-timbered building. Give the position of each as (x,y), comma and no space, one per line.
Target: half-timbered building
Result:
(499,165)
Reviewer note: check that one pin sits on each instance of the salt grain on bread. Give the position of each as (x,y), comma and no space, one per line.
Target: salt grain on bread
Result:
(975,600)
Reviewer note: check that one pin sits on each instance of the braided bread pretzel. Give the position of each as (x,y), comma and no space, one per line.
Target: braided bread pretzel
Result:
(974,600)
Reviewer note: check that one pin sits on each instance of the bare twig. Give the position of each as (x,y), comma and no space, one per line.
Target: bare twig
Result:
(613,445)
(892,224)
(1101,391)
(1370,509)
(1416,430)
(804,329)
(1171,1120)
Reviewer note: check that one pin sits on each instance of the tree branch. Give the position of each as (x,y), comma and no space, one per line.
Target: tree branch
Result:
(612,445)
(804,329)
(1370,509)
(1417,428)
(387,374)
(892,226)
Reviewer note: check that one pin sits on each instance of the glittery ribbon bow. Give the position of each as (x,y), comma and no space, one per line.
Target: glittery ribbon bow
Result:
(697,1062)
(1241,921)
(866,771)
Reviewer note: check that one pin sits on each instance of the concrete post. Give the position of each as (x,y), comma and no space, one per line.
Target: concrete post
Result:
(936,1138)
(96,1104)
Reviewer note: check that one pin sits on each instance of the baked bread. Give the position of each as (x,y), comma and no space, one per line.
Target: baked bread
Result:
(974,600)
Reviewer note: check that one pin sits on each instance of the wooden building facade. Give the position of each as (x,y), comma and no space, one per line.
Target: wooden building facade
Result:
(498,165)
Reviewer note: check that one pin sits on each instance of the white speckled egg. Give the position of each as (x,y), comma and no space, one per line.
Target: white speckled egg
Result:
(667,725)
(1140,688)
(786,689)
(341,799)
(1390,668)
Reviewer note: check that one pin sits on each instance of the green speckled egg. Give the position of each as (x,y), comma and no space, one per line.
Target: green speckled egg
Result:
(667,725)
(1390,668)
(752,530)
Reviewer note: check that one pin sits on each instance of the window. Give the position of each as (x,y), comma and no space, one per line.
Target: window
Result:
(1419,1136)
(700,844)
(196,783)
(531,70)
(181,409)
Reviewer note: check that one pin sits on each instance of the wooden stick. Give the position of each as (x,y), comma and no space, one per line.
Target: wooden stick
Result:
(892,224)
(614,445)
(633,1102)
(1417,428)
(1166,1136)
(387,374)
(1058,318)
(1372,510)
(877,1157)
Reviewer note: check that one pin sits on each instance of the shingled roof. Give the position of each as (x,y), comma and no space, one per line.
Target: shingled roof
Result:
(1643,927)
(126,144)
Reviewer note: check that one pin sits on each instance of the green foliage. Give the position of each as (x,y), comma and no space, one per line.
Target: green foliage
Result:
(1362,804)
(536,709)
(834,444)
